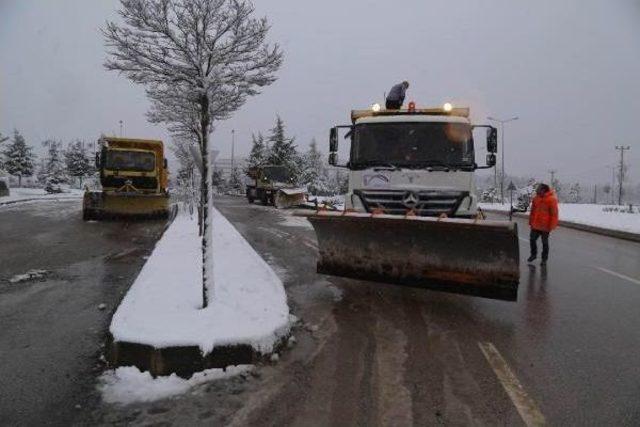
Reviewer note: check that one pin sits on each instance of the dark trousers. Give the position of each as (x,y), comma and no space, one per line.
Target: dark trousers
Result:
(533,239)
(393,105)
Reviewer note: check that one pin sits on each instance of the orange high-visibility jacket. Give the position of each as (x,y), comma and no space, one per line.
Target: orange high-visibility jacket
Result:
(544,212)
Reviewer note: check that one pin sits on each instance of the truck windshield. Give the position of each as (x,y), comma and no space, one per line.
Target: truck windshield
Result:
(138,161)
(276,173)
(412,144)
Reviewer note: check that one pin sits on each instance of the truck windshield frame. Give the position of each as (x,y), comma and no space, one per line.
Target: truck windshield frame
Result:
(130,160)
(413,145)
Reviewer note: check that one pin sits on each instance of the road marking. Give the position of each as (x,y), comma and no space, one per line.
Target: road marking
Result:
(621,276)
(526,407)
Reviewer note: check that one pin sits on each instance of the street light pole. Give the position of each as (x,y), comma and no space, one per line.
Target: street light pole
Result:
(502,122)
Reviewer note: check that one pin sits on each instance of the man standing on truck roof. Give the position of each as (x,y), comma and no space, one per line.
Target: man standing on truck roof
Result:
(396,95)
(542,220)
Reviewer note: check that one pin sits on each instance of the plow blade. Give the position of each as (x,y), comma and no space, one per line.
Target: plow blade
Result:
(99,205)
(479,258)
(287,198)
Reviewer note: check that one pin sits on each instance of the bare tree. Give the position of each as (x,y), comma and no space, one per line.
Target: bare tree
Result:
(199,60)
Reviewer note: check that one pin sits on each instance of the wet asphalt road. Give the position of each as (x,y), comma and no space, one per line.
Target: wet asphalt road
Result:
(52,329)
(366,353)
(373,354)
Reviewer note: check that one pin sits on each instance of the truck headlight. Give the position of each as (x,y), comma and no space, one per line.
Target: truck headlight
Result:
(357,204)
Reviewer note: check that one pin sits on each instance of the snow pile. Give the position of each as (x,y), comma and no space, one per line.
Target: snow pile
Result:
(248,304)
(29,275)
(610,217)
(128,385)
(32,194)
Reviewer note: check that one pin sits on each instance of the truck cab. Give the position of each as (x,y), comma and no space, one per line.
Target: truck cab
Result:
(413,161)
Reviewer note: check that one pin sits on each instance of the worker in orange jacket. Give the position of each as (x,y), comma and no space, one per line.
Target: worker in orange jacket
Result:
(542,220)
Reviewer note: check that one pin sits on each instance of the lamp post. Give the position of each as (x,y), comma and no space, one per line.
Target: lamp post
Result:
(502,122)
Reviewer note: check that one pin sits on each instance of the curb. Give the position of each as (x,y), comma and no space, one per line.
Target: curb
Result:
(618,234)
(62,199)
(182,361)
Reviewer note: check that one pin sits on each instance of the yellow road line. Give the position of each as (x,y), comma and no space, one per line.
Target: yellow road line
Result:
(525,405)
(621,276)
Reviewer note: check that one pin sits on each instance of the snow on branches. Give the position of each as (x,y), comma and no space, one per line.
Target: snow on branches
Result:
(18,157)
(199,61)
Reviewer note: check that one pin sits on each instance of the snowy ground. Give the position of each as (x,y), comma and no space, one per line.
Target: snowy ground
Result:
(604,216)
(247,304)
(128,385)
(25,194)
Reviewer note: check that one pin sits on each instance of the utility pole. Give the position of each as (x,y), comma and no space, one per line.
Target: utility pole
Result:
(552,172)
(621,176)
(502,175)
(121,134)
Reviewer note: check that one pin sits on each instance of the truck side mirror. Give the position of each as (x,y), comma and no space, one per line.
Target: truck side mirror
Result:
(491,159)
(492,140)
(333,158)
(333,140)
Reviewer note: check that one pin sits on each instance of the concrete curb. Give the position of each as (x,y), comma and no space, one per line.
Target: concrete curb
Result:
(182,361)
(624,235)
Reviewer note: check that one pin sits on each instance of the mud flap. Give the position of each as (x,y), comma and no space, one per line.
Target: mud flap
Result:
(474,257)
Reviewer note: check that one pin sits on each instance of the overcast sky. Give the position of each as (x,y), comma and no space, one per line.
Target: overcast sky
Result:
(569,70)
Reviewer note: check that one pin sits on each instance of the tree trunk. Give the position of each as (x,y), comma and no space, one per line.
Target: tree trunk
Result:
(19,180)
(204,197)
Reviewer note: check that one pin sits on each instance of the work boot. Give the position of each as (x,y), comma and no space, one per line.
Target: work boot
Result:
(532,258)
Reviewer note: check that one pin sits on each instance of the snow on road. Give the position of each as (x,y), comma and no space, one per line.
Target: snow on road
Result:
(604,216)
(128,385)
(36,194)
(248,304)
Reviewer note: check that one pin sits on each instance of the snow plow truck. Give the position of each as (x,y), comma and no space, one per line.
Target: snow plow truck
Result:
(411,215)
(273,185)
(134,178)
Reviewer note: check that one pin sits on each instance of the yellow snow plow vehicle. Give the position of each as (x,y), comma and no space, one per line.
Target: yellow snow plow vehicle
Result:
(411,214)
(134,179)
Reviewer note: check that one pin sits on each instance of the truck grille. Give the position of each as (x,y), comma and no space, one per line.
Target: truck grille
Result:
(424,203)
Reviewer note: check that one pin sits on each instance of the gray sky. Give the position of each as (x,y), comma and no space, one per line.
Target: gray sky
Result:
(568,69)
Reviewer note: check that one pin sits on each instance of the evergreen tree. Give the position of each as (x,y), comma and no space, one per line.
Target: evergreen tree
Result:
(283,151)
(77,161)
(18,157)
(314,174)
(54,167)
(2,139)
(574,193)
(235,180)
(258,153)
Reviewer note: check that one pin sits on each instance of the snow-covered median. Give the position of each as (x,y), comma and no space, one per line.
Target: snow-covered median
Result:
(602,216)
(248,304)
(18,195)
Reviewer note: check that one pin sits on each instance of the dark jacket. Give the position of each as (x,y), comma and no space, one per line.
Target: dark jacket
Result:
(397,93)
